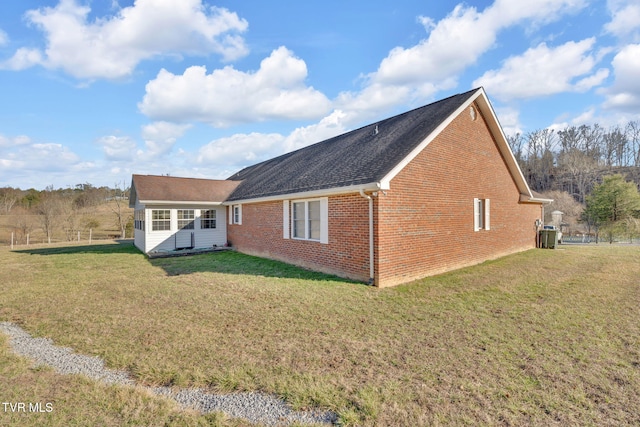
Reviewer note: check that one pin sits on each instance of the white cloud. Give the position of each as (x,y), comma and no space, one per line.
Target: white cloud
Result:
(233,153)
(510,120)
(332,125)
(542,71)
(160,137)
(4,38)
(227,96)
(37,157)
(240,150)
(452,45)
(111,47)
(588,116)
(625,18)
(23,58)
(625,92)
(6,142)
(458,40)
(118,148)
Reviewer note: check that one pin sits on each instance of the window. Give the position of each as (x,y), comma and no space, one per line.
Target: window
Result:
(307,220)
(313,220)
(299,214)
(186,218)
(481,211)
(160,219)
(208,219)
(139,219)
(236,214)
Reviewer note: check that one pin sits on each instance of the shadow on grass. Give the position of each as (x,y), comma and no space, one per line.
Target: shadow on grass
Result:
(231,262)
(118,246)
(225,262)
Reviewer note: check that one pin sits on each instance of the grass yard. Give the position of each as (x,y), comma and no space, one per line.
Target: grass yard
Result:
(538,338)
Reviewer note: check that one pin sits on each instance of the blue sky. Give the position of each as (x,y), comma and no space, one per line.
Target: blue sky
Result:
(93,91)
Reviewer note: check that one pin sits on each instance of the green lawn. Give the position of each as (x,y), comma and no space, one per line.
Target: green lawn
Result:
(539,338)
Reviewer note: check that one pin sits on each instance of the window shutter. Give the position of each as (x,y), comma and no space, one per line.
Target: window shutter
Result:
(230,211)
(285,220)
(324,220)
(487,209)
(476,223)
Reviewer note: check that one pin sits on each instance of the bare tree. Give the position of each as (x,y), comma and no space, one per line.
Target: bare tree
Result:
(49,208)
(23,224)
(516,143)
(540,158)
(580,173)
(120,208)
(590,139)
(70,219)
(8,198)
(566,203)
(614,144)
(632,131)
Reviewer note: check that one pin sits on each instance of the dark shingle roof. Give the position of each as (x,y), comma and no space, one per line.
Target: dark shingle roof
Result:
(358,157)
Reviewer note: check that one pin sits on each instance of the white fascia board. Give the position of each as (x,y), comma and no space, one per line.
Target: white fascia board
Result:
(373,186)
(526,199)
(386,181)
(178,203)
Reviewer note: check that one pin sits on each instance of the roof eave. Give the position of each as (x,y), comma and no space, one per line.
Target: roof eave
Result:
(529,199)
(334,191)
(180,202)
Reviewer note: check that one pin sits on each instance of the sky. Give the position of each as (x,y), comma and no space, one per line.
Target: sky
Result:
(92,91)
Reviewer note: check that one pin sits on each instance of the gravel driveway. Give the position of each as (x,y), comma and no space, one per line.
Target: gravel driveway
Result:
(255,407)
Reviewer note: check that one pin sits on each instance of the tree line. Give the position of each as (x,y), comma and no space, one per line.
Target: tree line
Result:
(64,209)
(576,158)
(592,173)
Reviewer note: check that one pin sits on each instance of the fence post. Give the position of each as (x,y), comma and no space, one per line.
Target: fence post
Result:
(27,239)
(12,240)
(90,231)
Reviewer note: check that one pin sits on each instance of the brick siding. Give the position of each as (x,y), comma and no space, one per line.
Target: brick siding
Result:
(346,254)
(426,221)
(424,224)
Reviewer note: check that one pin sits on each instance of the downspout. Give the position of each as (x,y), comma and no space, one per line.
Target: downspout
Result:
(371,259)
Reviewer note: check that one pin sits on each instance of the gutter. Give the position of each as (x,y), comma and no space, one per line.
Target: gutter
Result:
(178,202)
(525,198)
(371,252)
(326,192)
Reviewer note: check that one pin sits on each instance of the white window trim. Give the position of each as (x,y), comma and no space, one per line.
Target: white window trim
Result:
(232,217)
(171,219)
(487,214)
(288,218)
(484,217)
(286,230)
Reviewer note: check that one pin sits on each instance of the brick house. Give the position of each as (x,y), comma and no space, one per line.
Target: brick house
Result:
(427,191)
